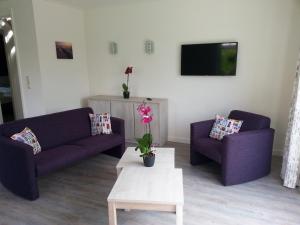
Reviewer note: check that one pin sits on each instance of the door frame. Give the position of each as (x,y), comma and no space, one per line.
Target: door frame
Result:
(13,69)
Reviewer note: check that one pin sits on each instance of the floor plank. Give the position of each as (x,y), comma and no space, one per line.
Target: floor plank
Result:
(77,196)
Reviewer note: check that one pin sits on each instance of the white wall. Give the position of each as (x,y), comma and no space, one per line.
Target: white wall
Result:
(267,31)
(266,61)
(4,8)
(65,82)
(27,55)
(288,71)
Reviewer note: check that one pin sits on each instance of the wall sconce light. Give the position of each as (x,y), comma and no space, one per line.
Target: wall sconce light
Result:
(149,47)
(113,48)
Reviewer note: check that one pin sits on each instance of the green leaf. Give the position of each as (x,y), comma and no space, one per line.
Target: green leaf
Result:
(125,87)
(144,144)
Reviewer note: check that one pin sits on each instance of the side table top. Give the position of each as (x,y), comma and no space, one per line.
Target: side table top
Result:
(164,158)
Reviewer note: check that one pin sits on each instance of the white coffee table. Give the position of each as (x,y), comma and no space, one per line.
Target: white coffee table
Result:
(164,158)
(143,188)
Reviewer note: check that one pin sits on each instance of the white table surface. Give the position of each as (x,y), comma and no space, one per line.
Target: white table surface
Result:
(164,158)
(148,186)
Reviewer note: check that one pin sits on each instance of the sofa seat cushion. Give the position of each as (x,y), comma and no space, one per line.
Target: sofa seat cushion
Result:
(99,143)
(59,157)
(209,147)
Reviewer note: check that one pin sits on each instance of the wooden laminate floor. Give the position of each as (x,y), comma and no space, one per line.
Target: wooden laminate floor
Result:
(77,196)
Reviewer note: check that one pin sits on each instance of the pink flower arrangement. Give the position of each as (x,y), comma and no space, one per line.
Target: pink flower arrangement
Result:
(129,70)
(125,86)
(145,143)
(145,113)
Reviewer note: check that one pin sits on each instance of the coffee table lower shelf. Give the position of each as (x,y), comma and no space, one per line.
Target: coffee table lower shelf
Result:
(113,206)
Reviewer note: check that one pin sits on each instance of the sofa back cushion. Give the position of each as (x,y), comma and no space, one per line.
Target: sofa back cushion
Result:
(54,129)
(251,121)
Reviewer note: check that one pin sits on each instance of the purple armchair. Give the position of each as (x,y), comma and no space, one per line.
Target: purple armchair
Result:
(244,156)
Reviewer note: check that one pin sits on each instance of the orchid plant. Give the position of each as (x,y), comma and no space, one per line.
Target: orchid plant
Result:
(145,143)
(125,86)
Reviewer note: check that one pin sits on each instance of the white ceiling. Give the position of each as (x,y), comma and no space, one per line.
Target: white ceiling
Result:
(86,4)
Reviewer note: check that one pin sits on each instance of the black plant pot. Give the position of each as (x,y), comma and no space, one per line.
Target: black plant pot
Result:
(126,94)
(149,160)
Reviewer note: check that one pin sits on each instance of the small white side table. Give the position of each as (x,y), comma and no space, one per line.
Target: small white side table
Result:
(164,158)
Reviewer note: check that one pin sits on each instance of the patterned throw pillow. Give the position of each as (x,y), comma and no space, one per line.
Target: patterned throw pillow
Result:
(28,137)
(224,126)
(95,124)
(106,123)
(100,124)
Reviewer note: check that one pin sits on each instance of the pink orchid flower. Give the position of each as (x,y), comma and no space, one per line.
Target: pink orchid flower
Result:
(145,113)
(146,119)
(129,70)
(144,110)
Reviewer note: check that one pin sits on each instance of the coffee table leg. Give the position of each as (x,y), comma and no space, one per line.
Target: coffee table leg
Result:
(112,213)
(179,215)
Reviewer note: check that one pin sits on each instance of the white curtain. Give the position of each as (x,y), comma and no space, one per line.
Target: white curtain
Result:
(290,172)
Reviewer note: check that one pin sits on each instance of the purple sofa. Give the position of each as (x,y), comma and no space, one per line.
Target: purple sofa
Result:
(65,139)
(244,156)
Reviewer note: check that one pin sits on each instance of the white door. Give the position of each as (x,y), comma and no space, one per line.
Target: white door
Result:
(13,72)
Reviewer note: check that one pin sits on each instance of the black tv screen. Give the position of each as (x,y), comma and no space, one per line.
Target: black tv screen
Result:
(213,59)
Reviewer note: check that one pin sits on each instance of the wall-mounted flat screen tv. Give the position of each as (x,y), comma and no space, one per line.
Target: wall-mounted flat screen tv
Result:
(212,59)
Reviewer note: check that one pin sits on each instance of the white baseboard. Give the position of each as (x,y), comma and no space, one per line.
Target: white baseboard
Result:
(179,140)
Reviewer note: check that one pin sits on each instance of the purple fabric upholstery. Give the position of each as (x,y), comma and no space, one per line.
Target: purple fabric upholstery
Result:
(69,154)
(201,129)
(209,147)
(54,129)
(244,156)
(99,143)
(247,156)
(65,139)
(251,121)
(58,157)
(118,127)
(17,168)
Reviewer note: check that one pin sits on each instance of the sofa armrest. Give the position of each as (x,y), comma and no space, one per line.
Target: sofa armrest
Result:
(247,155)
(201,129)
(118,126)
(17,168)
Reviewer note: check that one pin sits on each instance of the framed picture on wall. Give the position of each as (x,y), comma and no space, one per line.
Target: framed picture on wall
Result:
(64,50)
